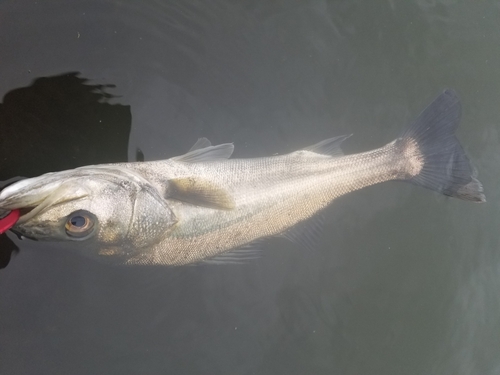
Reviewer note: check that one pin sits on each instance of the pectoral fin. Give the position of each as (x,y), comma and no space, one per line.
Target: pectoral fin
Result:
(200,192)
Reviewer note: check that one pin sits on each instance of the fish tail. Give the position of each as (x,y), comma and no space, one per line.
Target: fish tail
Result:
(433,156)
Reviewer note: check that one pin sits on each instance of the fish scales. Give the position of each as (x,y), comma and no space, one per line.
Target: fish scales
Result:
(297,186)
(202,204)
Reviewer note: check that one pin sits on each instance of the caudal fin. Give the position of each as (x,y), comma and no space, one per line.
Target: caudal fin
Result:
(443,165)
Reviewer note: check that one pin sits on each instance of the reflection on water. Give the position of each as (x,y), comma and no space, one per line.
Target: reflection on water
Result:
(57,123)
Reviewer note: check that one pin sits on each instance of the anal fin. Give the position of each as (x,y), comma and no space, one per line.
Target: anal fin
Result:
(306,234)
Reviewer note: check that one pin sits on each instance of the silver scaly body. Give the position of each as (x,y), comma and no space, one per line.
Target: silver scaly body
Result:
(270,194)
(199,205)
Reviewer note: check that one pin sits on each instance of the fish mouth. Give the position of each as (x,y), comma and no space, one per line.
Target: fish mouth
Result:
(25,210)
(26,195)
(33,195)
(23,234)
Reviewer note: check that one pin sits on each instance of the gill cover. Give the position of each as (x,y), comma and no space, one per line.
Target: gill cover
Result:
(151,218)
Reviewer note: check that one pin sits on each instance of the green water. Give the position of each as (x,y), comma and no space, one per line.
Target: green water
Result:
(404,281)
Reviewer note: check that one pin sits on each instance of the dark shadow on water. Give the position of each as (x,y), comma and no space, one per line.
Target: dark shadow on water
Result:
(57,123)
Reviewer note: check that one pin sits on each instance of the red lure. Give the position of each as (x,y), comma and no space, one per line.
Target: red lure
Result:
(8,221)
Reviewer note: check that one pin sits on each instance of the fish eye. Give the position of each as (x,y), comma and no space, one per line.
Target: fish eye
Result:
(80,224)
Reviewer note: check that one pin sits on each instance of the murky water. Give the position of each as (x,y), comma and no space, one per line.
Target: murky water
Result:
(404,281)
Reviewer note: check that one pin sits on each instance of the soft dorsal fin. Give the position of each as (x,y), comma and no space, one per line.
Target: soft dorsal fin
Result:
(200,192)
(209,153)
(330,146)
(306,234)
(201,143)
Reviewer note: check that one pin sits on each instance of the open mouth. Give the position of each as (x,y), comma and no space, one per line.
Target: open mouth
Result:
(14,217)
(31,198)
(9,219)
(25,210)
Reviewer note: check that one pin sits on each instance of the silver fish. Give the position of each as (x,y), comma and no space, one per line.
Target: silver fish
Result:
(202,204)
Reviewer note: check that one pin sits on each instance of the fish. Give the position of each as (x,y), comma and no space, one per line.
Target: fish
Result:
(205,205)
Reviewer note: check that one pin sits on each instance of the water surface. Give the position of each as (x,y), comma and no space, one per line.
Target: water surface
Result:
(404,281)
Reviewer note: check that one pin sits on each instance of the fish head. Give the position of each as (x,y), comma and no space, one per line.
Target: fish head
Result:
(114,209)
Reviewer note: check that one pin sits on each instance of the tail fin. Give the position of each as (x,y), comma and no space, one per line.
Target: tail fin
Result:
(445,168)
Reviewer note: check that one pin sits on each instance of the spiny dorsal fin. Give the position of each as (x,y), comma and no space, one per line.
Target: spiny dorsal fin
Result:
(200,192)
(209,153)
(330,146)
(201,143)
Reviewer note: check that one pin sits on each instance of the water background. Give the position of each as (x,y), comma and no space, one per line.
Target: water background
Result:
(404,281)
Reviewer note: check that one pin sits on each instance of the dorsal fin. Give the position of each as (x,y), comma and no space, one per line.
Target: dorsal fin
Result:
(201,143)
(210,153)
(200,192)
(330,146)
